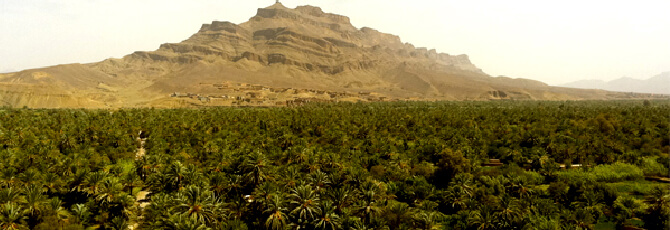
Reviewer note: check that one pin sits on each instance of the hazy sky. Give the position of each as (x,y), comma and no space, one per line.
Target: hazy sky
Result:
(551,41)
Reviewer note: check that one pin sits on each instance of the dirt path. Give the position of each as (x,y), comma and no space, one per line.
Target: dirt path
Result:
(141,196)
(141,151)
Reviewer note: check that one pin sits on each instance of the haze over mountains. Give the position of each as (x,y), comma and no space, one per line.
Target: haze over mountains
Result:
(279,57)
(657,84)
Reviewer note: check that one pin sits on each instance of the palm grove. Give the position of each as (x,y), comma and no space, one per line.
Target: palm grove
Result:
(402,165)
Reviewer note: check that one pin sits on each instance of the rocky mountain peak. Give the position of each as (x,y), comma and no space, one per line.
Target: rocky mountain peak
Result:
(280,55)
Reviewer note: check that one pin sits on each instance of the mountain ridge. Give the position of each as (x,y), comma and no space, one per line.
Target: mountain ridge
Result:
(281,56)
(659,84)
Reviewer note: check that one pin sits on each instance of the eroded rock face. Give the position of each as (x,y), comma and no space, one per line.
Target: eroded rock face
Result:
(279,47)
(305,37)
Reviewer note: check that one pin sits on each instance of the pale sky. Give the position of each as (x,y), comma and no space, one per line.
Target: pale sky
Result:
(552,41)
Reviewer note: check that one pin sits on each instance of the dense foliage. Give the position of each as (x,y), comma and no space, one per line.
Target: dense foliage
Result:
(402,165)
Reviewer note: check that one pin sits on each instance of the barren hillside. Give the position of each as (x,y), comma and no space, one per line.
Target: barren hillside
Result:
(279,57)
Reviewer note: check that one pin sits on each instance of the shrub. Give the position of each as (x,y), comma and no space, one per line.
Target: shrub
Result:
(652,167)
(617,172)
(603,173)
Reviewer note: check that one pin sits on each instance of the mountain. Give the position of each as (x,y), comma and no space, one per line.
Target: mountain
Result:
(659,84)
(281,56)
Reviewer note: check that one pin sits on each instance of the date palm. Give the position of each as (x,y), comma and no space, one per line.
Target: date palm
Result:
(109,190)
(217,181)
(369,199)
(193,176)
(9,194)
(11,216)
(237,207)
(198,204)
(8,176)
(94,180)
(509,211)
(53,183)
(304,203)
(397,214)
(591,202)
(254,167)
(483,218)
(131,181)
(80,213)
(117,223)
(30,176)
(233,225)
(428,220)
(462,184)
(277,218)
(521,187)
(318,179)
(657,214)
(34,200)
(174,176)
(327,219)
(341,197)
(181,221)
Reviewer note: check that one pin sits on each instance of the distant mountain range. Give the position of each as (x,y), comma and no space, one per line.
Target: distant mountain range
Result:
(657,84)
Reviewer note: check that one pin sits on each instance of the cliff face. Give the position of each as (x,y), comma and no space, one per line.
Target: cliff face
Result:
(304,37)
(278,48)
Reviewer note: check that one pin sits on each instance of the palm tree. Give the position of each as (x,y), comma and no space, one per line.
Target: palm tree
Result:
(9,194)
(53,182)
(55,208)
(370,194)
(132,180)
(11,216)
(199,204)
(233,225)
(193,176)
(78,180)
(591,202)
(327,218)
(118,223)
(658,211)
(305,204)
(34,200)
(277,213)
(7,176)
(341,198)
(318,179)
(540,222)
(182,221)
(483,218)
(94,180)
(81,213)
(254,166)
(173,177)
(30,176)
(109,190)
(159,210)
(237,207)
(624,209)
(509,212)
(521,187)
(428,220)
(397,214)
(265,191)
(462,184)
(217,181)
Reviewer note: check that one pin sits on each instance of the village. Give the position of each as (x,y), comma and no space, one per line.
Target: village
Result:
(232,94)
